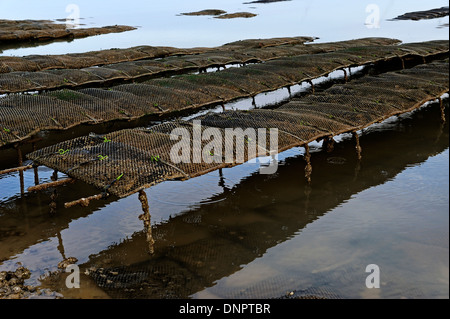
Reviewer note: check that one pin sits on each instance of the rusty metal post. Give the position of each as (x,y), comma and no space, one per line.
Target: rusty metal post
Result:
(313,90)
(51,184)
(308,167)
(441,105)
(403,63)
(307,192)
(84,201)
(358,146)
(54,176)
(328,144)
(35,168)
(61,245)
(20,162)
(221,179)
(146,218)
(15,169)
(52,206)
(345,75)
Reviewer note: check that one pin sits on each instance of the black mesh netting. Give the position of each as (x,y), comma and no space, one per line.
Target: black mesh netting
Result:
(164,95)
(13,31)
(50,72)
(190,91)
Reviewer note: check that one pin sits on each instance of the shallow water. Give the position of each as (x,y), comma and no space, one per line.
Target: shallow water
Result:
(235,233)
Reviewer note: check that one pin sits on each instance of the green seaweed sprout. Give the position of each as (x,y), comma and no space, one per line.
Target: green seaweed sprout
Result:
(155,158)
(62,151)
(304,123)
(66,95)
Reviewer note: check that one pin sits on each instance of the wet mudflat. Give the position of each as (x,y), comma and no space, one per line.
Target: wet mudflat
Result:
(428,14)
(235,233)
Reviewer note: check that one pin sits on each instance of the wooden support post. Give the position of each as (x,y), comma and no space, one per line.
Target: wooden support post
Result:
(308,168)
(146,218)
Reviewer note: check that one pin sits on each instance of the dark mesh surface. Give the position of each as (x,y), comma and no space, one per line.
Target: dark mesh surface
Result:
(201,57)
(38,30)
(126,161)
(281,68)
(76,77)
(31,113)
(128,104)
(11,64)
(164,95)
